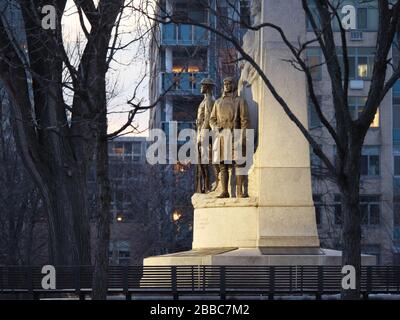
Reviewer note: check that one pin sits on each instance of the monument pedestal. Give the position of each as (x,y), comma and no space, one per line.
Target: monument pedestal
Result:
(237,231)
(245,223)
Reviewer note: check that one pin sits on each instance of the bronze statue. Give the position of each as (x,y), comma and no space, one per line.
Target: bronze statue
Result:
(230,112)
(203,183)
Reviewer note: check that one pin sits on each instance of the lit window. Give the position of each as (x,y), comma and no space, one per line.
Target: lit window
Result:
(362,67)
(177,69)
(356,107)
(193,69)
(361,62)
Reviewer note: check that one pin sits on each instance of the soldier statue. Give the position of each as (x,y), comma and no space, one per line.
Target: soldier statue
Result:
(230,112)
(203,183)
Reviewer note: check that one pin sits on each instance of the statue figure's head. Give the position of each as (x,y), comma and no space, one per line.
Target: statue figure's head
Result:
(255,11)
(229,85)
(206,85)
(255,7)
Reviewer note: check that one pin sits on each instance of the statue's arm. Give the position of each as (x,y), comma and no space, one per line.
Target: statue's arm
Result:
(244,114)
(207,113)
(213,117)
(200,117)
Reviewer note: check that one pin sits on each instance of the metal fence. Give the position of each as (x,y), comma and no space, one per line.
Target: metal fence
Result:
(221,281)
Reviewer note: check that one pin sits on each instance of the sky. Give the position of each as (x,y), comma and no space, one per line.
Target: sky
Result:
(125,74)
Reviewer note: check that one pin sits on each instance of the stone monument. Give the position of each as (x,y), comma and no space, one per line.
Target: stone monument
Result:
(276,224)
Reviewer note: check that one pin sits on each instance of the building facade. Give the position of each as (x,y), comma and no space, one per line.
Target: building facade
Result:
(133,226)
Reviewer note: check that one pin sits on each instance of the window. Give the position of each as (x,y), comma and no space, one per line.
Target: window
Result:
(372,249)
(370,161)
(361,62)
(317,198)
(356,107)
(119,252)
(396,211)
(396,115)
(397,165)
(137,147)
(118,149)
(314,60)
(127,148)
(137,158)
(396,156)
(313,119)
(314,13)
(370,209)
(316,162)
(245,13)
(337,209)
(362,18)
(189,60)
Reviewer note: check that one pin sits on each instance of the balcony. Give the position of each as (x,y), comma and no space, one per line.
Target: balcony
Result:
(182,83)
(184,35)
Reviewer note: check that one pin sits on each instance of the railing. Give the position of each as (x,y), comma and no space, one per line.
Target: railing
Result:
(183,83)
(222,281)
(183,34)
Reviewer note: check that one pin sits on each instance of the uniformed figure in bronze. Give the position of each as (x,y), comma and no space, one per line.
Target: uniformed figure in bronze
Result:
(230,112)
(203,183)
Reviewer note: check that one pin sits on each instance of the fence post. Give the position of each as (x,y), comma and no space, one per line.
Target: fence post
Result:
(397,273)
(320,283)
(271,283)
(174,283)
(29,279)
(222,282)
(387,273)
(126,283)
(192,274)
(77,277)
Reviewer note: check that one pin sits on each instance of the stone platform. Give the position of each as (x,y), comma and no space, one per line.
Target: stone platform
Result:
(253,257)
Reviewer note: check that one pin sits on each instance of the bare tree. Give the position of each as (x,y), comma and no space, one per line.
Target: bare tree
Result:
(20,209)
(60,117)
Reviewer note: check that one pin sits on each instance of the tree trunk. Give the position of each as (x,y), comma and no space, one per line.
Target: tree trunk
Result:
(351,214)
(103,215)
